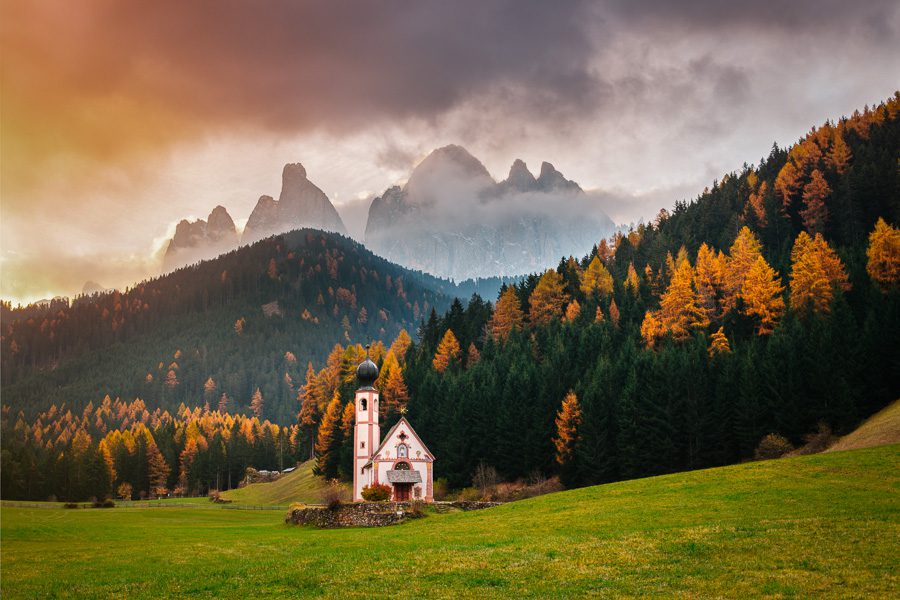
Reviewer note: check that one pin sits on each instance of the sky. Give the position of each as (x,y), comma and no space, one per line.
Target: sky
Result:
(118,118)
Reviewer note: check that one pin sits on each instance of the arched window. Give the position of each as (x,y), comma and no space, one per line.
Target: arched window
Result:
(402,451)
(402,466)
(363,403)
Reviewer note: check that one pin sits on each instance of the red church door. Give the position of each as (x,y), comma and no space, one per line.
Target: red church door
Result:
(402,492)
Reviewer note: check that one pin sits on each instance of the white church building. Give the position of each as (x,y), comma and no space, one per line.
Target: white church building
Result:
(401,460)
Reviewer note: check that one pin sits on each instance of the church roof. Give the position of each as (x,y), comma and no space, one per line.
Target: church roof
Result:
(391,432)
(395,476)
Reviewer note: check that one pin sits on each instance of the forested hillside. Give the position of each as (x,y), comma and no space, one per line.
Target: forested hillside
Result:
(768,305)
(217,331)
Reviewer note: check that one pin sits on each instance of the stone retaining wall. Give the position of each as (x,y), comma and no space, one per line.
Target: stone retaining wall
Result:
(367,514)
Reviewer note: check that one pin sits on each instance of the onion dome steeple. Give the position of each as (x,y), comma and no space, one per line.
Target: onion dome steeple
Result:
(367,372)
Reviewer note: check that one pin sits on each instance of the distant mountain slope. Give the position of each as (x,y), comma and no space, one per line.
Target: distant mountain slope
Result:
(249,319)
(452,219)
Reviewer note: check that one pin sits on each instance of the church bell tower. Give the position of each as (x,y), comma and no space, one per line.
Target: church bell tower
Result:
(366,433)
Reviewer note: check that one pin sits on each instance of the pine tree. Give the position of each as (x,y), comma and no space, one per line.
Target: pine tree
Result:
(223,403)
(814,212)
(157,468)
(719,343)
(680,311)
(883,253)
(401,345)
(839,156)
(394,393)
(761,295)
(548,299)
(447,352)
(709,279)
(652,329)
(614,313)
(596,279)
(256,403)
(507,315)
(473,356)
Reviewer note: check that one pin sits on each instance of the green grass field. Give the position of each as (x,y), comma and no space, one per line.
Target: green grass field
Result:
(298,486)
(825,526)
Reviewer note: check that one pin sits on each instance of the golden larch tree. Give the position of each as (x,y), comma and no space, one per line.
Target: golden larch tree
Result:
(256,403)
(596,279)
(614,313)
(787,183)
(401,345)
(762,297)
(709,279)
(756,204)
(838,158)
(679,307)
(507,315)
(814,212)
(447,352)
(328,430)
(816,274)
(568,423)
(883,255)
(632,283)
(394,394)
(548,299)
(473,356)
(651,329)
(718,343)
(741,257)
(572,311)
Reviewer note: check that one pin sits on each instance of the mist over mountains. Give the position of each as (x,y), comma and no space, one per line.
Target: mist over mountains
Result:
(451,219)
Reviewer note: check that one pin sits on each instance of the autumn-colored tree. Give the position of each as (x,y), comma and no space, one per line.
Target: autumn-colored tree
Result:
(394,394)
(223,403)
(883,255)
(329,439)
(548,299)
(157,468)
(814,212)
(596,279)
(572,311)
(651,329)
(256,403)
(568,422)
(124,491)
(239,326)
(507,314)
(741,258)
(614,313)
(839,156)
(680,310)
(171,379)
(787,183)
(757,204)
(762,297)
(447,352)
(401,345)
(598,314)
(472,356)
(816,273)
(709,279)
(272,271)
(719,343)
(632,283)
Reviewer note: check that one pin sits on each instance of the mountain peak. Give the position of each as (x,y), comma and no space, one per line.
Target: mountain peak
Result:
(552,180)
(520,178)
(293,171)
(451,163)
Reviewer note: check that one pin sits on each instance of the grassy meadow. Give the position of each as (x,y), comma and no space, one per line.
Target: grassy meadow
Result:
(297,486)
(826,526)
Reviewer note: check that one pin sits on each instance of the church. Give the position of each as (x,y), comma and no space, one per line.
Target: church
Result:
(401,460)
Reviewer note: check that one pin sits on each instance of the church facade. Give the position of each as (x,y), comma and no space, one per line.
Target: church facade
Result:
(400,460)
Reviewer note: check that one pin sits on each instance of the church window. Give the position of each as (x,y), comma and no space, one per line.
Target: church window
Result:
(401,451)
(362,404)
(402,466)
(362,444)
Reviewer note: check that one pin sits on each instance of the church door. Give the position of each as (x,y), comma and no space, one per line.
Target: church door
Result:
(402,492)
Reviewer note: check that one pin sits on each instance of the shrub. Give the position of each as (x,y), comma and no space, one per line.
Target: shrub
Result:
(70,505)
(773,446)
(107,503)
(124,491)
(485,479)
(333,495)
(441,488)
(214,496)
(819,441)
(469,494)
(377,492)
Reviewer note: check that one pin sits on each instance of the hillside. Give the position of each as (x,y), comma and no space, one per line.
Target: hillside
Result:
(252,318)
(299,485)
(880,429)
(822,526)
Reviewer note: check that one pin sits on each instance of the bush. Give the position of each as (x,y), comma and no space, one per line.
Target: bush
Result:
(485,479)
(107,503)
(441,488)
(773,446)
(333,495)
(124,491)
(469,494)
(817,442)
(70,505)
(377,492)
